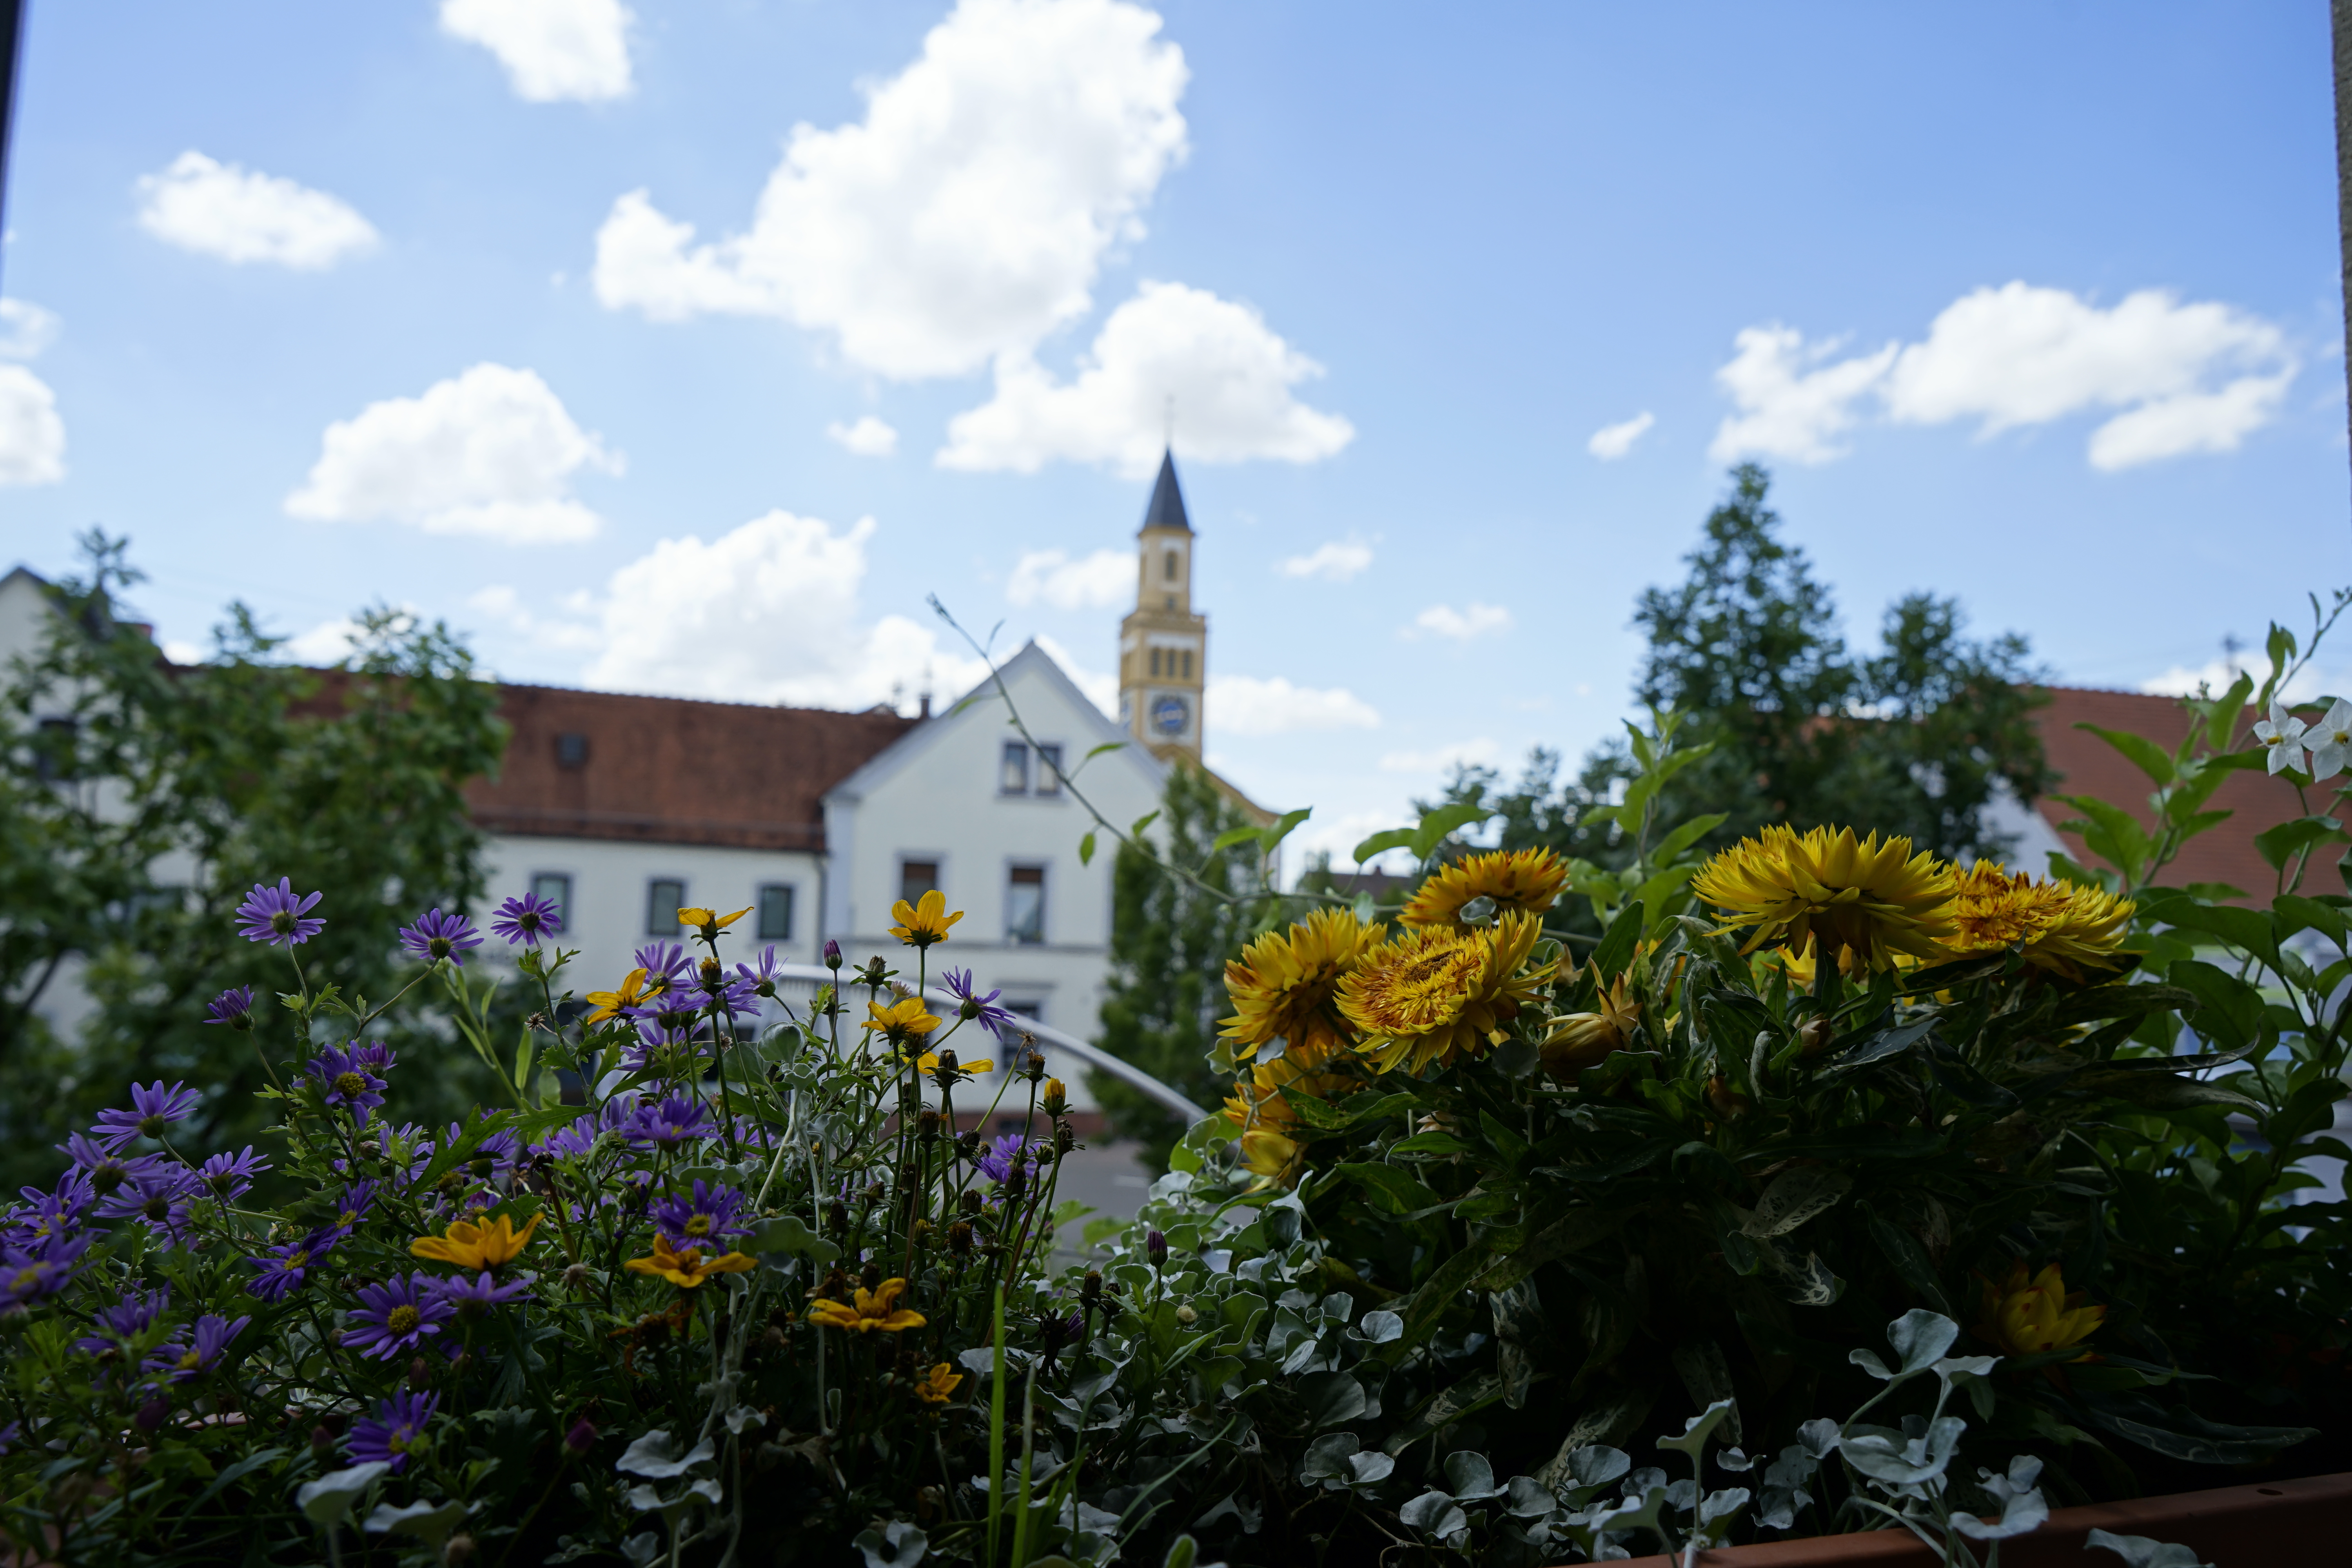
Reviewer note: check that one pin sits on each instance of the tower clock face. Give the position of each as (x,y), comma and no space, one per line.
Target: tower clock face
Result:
(1172,715)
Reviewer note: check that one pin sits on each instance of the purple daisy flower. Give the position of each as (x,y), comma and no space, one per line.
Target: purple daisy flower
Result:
(11,1432)
(664,1045)
(375,1057)
(436,936)
(662,961)
(393,1432)
(344,1080)
(44,1214)
(183,1360)
(397,1315)
(29,1273)
(673,1122)
(282,1269)
(960,985)
(233,1006)
(154,1108)
(230,1176)
(275,915)
(472,1298)
(526,919)
(762,979)
(733,997)
(358,1198)
(128,1317)
(496,1157)
(996,1161)
(700,1220)
(157,1199)
(106,1171)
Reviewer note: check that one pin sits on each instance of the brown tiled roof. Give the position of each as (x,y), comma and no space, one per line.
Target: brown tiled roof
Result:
(668,770)
(2088,765)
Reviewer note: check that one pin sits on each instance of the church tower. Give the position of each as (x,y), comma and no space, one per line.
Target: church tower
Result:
(1164,647)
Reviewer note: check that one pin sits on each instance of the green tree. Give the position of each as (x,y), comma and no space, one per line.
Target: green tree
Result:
(1169,944)
(141,801)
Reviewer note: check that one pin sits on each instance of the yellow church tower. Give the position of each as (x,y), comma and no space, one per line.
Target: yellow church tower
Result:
(1164,647)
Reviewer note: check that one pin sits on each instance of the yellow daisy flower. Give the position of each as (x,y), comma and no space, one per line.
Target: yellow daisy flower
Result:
(1271,1155)
(2025,1317)
(923,924)
(900,1021)
(876,1309)
(1437,997)
(489,1244)
(691,1268)
(1580,1040)
(708,924)
(609,1003)
(939,1385)
(1873,896)
(2058,926)
(1285,985)
(1525,879)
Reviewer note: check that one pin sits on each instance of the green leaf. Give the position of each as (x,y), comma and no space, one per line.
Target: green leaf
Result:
(1400,1192)
(1422,1310)
(1086,850)
(2300,913)
(1315,1110)
(2295,835)
(2145,754)
(2161,1091)
(1689,834)
(1098,750)
(1381,843)
(789,1234)
(1437,823)
(1574,1231)
(1135,829)
(1434,1143)
(2113,834)
(2246,929)
(1274,835)
(1616,949)
(1231,836)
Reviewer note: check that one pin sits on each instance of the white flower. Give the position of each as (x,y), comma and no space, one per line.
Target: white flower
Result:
(2282,733)
(2331,741)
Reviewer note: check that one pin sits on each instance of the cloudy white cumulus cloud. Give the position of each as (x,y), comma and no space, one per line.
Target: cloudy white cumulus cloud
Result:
(1230,378)
(787,629)
(1335,563)
(1612,442)
(965,216)
(1246,705)
(1050,576)
(552,49)
(242,214)
(32,434)
(867,437)
(490,452)
(1481,751)
(1473,620)
(25,328)
(2174,378)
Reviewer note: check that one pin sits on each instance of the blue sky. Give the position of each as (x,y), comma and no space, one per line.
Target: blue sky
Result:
(2035,305)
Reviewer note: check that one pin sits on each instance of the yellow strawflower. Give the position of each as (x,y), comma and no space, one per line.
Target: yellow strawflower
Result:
(691,1268)
(2024,1317)
(1525,879)
(2058,926)
(1580,1040)
(1870,895)
(876,1309)
(1271,1155)
(924,922)
(1285,985)
(939,1385)
(492,1244)
(1438,996)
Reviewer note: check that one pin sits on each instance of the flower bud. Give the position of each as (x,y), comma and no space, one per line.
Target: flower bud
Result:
(1815,1038)
(1185,1314)
(1091,1289)
(322,1441)
(1064,1140)
(581,1437)
(1056,1099)
(153,1414)
(420,1371)
(946,1063)
(959,1239)
(870,1275)
(972,1201)
(836,1216)
(1155,1246)
(832,954)
(459,1549)
(575,1277)
(968,1009)
(968,1145)
(926,1126)
(1727,1102)
(1015,1178)
(1033,1067)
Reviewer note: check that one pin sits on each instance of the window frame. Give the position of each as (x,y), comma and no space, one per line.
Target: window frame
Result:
(791,891)
(562,904)
(1014,755)
(937,862)
(1049,771)
(654,904)
(1036,874)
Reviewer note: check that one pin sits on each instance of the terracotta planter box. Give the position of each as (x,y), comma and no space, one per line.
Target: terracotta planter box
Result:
(2267,1525)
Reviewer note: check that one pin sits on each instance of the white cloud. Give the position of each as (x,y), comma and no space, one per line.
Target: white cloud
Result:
(1102,579)
(1612,442)
(501,602)
(1341,833)
(489,452)
(181,652)
(1470,621)
(2184,680)
(1229,375)
(965,216)
(1244,705)
(786,629)
(2195,377)
(1479,753)
(32,436)
(1785,409)
(553,49)
(1101,685)
(329,642)
(25,328)
(869,437)
(1334,562)
(241,215)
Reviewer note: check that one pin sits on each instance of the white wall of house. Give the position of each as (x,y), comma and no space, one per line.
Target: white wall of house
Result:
(942,797)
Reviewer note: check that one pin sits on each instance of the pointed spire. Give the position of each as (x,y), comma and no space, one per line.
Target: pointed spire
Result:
(1167,508)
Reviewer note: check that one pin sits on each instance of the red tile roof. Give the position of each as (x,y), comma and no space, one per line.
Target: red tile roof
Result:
(668,770)
(2088,765)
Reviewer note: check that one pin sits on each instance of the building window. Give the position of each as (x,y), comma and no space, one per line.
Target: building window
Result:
(1155,661)
(1187,663)
(664,898)
(916,877)
(571,751)
(1025,905)
(1049,770)
(1168,571)
(556,888)
(776,912)
(1014,778)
